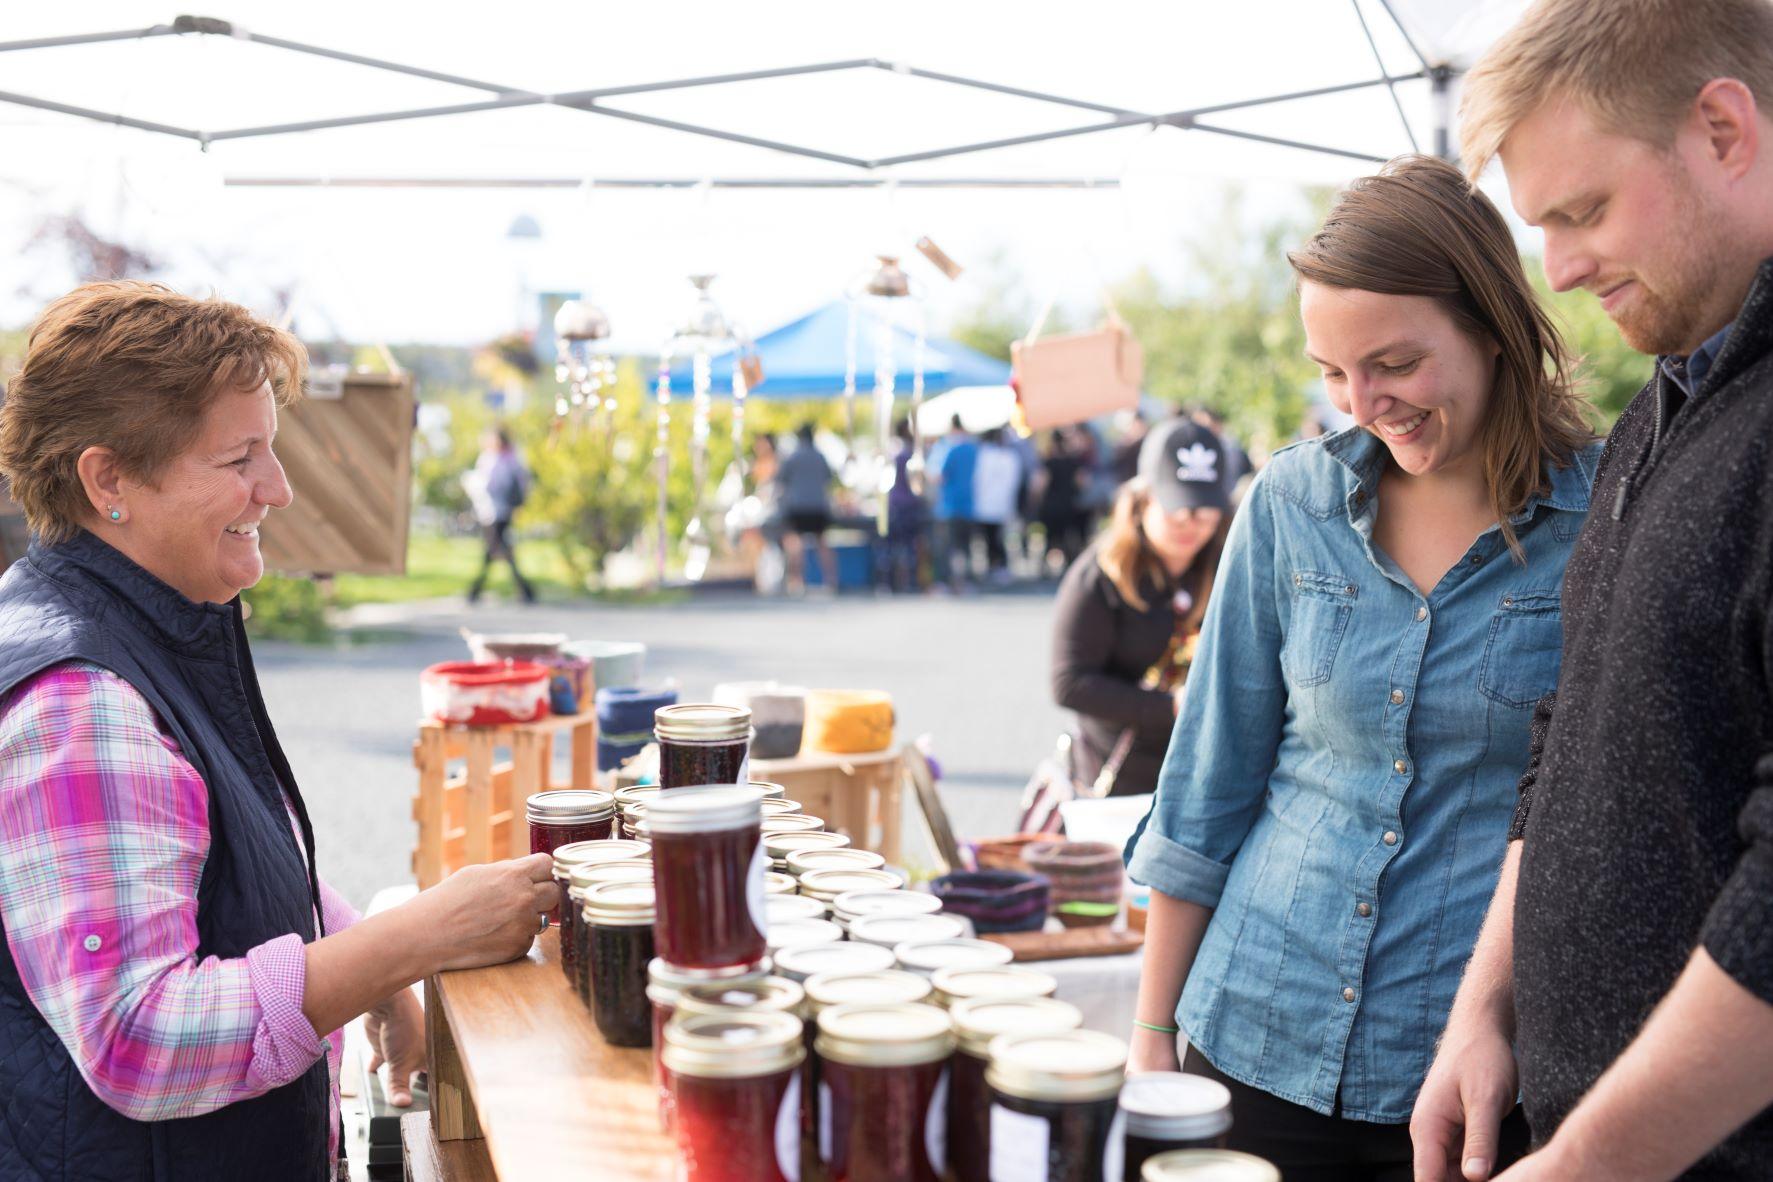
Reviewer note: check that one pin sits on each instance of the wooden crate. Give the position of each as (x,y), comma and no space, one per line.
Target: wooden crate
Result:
(469,806)
(857,795)
(347,449)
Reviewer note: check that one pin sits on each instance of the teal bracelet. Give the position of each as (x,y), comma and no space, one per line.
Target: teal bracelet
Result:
(1159,1029)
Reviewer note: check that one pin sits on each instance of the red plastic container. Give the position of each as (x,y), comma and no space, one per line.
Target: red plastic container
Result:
(467,693)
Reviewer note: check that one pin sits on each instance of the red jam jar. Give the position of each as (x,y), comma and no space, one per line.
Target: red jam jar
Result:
(582,880)
(1165,1110)
(702,744)
(619,924)
(882,1108)
(664,985)
(839,978)
(565,816)
(568,858)
(1054,1099)
(708,864)
(735,1091)
(976,1022)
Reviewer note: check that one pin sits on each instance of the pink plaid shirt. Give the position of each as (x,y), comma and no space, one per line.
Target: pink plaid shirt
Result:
(104,829)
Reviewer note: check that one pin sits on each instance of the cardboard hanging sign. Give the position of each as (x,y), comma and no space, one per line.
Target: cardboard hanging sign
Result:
(1074,377)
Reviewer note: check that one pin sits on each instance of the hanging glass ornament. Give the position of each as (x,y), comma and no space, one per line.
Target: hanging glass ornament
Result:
(582,365)
(890,306)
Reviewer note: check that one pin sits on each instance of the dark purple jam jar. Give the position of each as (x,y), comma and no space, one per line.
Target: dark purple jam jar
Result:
(703,744)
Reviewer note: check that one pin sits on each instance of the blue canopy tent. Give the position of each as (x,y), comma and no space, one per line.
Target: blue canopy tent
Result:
(805,358)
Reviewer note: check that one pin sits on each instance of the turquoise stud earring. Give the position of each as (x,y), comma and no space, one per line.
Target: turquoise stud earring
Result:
(116,515)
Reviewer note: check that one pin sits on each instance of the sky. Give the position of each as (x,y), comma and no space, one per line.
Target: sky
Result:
(405,264)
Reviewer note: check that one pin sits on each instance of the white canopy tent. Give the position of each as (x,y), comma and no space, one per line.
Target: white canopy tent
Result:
(1145,60)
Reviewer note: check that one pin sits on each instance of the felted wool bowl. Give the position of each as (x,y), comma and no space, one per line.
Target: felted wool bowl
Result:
(995,900)
(1005,853)
(1080,871)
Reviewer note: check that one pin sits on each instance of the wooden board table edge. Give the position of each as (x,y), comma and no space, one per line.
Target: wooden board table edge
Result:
(546,1090)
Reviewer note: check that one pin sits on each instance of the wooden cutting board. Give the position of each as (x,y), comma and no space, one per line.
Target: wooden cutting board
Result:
(1070,942)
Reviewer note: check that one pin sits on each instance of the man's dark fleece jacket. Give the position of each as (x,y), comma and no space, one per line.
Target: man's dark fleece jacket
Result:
(1647,809)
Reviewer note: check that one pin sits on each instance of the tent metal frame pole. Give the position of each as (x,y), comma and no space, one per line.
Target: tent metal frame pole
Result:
(998,88)
(25,100)
(593,95)
(715,133)
(376,63)
(1294,95)
(859,182)
(1281,142)
(506,102)
(1380,58)
(88,38)
(1405,33)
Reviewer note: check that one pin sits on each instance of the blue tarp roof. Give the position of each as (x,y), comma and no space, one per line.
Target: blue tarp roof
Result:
(805,358)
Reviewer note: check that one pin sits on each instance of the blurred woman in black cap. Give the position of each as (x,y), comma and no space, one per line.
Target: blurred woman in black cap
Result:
(1130,607)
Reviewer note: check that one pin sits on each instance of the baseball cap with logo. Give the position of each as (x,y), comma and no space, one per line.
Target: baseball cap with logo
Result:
(1184,464)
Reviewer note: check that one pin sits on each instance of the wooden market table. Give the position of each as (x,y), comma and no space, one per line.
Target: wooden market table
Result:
(517,1060)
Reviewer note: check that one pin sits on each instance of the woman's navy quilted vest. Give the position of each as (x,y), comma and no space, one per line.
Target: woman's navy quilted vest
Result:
(82,600)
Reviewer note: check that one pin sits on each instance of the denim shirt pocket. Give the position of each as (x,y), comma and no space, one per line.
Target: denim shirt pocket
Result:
(1322,605)
(1525,646)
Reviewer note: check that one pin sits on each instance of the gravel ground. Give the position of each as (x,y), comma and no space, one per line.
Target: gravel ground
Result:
(971,671)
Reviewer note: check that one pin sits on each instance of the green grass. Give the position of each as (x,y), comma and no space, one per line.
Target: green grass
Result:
(442,568)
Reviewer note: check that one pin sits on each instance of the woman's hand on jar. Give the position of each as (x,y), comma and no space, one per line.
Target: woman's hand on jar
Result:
(1152,1050)
(396,1030)
(489,914)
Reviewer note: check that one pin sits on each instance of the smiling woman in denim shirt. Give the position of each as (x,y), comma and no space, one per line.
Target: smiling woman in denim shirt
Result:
(1334,805)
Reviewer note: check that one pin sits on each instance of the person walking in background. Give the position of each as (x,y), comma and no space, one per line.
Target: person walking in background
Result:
(803,491)
(907,519)
(1124,460)
(952,462)
(1130,609)
(497,486)
(997,485)
(1060,507)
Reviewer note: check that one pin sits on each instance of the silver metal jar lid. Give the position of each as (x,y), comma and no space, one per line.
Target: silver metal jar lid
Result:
(775,883)
(620,904)
(780,845)
(1070,1065)
(839,858)
(779,907)
(583,878)
(805,961)
(926,956)
(771,790)
(890,931)
(890,901)
(774,807)
(732,1044)
(757,993)
(1207,1165)
(1008,982)
(636,794)
(673,977)
(790,933)
(828,884)
(694,722)
(979,1020)
(570,806)
(589,853)
(875,1034)
(1173,1106)
(703,810)
(877,987)
(793,823)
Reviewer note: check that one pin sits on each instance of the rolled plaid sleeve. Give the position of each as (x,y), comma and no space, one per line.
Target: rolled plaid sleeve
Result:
(104,829)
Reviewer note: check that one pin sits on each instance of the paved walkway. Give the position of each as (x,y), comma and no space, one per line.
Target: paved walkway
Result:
(971,671)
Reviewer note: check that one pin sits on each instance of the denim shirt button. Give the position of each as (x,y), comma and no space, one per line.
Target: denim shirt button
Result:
(1421,613)
(1476,558)
(1364,910)
(1397,697)
(1390,838)
(1347,994)
(1400,767)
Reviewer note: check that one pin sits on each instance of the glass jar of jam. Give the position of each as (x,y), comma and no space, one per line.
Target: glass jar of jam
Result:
(842,977)
(882,1108)
(779,845)
(583,879)
(779,907)
(853,905)
(771,791)
(631,805)
(1054,1098)
(633,817)
(664,985)
(619,924)
(568,858)
(926,956)
(565,816)
(890,931)
(703,744)
(735,1094)
(793,823)
(1165,1110)
(776,883)
(792,933)
(756,993)
(976,1023)
(781,807)
(1207,1165)
(809,960)
(826,885)
(1008,983)
(708,864)
(801,861)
